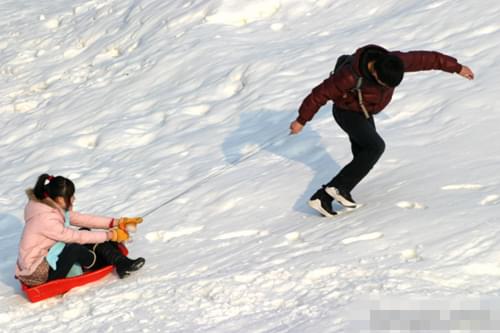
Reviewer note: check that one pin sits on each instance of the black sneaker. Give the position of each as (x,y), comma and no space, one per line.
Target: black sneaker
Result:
(343,198)
(322,203)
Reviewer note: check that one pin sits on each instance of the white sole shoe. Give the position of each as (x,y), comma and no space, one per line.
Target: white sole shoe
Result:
(334,193)
(316,205)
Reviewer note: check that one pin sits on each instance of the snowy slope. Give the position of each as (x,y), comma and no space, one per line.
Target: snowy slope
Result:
(179,110)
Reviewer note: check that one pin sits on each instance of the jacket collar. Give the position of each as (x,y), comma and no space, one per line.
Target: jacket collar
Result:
(45,201)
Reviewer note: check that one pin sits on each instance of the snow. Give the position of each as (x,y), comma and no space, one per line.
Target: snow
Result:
(179,111)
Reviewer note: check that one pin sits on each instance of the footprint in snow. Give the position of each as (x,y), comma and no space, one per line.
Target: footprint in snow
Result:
(456,187)
(277,26)
(107,54)
(292,238)
(410,205)
(88,141)
(364,237)
(196,110)
(490,200)
(25,106)
(321,273)
(410,254)
(167,235)
(246,13)
(52,23)
(242,234)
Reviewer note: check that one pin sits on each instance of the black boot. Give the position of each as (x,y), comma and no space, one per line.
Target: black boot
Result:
(110,253)
(125,265)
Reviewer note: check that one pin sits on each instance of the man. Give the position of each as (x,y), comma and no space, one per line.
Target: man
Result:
(360,88)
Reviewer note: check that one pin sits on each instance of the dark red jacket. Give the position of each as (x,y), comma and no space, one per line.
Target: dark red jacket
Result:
(338,87)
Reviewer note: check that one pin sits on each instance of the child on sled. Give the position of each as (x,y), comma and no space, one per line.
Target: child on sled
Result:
(49,249)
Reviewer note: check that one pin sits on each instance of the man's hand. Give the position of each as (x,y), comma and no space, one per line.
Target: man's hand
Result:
(295,127)
(467,73)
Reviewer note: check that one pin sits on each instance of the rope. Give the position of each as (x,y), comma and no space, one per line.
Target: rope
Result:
(216,173)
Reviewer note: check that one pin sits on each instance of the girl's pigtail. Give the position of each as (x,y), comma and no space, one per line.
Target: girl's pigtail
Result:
(40,187)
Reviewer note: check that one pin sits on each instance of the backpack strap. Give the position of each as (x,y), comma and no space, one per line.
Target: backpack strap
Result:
(359,83)
(346,60)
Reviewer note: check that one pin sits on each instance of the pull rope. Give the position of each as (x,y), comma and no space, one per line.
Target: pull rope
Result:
(214,174)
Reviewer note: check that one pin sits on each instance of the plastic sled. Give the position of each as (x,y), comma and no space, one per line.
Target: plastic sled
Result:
(61,286)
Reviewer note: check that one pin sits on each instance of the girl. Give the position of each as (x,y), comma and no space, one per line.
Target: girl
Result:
(48,248)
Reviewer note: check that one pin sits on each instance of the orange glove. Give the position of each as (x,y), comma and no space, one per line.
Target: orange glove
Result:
(129,223)
(118,235)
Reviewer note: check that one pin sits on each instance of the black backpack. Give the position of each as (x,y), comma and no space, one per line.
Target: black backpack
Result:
(346,60)
(343,60)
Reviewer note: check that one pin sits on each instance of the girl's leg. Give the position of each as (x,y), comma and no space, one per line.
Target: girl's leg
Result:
(71,254)
(109,253)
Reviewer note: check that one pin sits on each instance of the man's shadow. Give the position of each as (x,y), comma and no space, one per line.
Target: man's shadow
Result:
(10,233)
(268,130)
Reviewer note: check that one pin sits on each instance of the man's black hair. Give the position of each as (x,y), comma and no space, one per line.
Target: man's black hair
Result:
(390,70)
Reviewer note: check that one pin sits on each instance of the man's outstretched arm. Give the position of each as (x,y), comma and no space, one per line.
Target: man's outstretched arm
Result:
(415,61)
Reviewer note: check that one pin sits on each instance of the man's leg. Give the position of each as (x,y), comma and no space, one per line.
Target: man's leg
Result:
(367,147)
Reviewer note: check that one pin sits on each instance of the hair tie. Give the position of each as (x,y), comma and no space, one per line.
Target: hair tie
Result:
(48,180)
(45,195)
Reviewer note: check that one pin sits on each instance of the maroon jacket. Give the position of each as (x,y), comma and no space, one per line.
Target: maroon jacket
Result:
(338,87)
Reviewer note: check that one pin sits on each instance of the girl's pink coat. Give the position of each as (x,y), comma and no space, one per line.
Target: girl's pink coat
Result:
(45,226)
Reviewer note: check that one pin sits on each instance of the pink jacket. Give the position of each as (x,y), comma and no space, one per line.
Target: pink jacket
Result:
(45,226)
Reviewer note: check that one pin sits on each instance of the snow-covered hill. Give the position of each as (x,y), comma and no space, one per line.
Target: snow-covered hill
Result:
(179,110)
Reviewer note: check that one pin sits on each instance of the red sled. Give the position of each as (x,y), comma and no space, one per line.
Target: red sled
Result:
(61,286)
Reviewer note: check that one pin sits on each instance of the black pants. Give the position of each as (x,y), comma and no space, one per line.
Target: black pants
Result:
(85,255)
(366,144)
(71,254)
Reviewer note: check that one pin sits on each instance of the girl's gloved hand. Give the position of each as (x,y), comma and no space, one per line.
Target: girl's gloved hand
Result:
(118,235)
(129,223)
